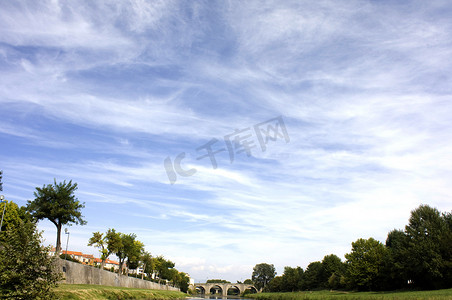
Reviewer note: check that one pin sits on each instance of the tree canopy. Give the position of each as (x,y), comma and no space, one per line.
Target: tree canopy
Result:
(13,216)
(262,274)
(57,203)
(364,263)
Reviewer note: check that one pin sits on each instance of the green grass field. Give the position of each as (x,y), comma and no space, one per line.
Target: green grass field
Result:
(323,295)
(88,291)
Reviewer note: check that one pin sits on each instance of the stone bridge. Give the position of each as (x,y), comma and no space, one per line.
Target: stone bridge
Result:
(217,288)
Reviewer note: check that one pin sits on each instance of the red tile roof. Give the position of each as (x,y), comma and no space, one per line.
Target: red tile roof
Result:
(73,253)
(109,261)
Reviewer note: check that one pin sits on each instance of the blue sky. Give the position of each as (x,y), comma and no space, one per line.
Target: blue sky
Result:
(102,93)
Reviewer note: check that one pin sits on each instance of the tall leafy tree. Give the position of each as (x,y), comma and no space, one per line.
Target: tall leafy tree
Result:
(127,248)
(108,244)
(312,278)
(182,281)
(396,261)
(291,279)
(134,254)
(57,203)
(27,271)
(148,263)
(262,274)
(163,267)
(365,263)
(98,240)
(333,270)
(426,230)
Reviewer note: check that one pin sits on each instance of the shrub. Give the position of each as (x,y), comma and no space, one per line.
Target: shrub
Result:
(27,271)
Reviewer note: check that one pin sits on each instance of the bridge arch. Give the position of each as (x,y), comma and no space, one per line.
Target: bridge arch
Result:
(235,287)
(201,290)
(209,288)
(217,289)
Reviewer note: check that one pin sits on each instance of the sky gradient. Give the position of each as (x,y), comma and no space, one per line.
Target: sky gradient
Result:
(104,93)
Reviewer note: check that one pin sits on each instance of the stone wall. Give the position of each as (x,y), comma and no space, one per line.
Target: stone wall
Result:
(75,273)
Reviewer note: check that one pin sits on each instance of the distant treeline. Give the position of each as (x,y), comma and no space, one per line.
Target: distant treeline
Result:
(418,257)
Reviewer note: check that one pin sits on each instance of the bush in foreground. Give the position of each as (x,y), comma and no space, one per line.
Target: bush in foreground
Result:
(26,269)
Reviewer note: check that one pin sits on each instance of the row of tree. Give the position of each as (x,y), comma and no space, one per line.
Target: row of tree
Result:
(131,255)
(420,256)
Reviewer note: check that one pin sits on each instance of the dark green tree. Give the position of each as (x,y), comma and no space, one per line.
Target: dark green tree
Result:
(396,261)
(291,279)
(13,216)
(57,203)
(276,285)
(446,251)
(27,271)
(163,267)
(127,249)
(333,269)
(182,281)
(262,274)
(312,278)
(134,253)
(427,231)
(365,264)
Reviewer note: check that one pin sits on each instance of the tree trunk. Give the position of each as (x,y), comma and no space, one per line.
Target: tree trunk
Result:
(144,268)
(58,241)
(121,265)
(102,265)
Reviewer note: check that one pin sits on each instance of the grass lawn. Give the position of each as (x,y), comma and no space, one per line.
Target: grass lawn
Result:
(89,291)
(321,295)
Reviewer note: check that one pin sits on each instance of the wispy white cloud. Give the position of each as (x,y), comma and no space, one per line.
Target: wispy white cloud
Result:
(102,93)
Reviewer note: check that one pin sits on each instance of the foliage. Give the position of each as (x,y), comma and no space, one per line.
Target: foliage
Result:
(292,278)
(13,216)
(26,269)
(248,281)
(69,258)
(217,281)
(182,281)
(135,250)
(396,260)
(275,285)
(100,241)
(163,267)
(429,248)
(148,263)
(126,248)
(113,241)
(312,279)
(58,204)
(333,270)
(262,274)
(364,264)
